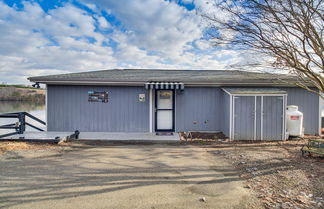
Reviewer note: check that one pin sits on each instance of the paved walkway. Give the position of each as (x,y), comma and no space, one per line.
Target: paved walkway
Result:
(130,176)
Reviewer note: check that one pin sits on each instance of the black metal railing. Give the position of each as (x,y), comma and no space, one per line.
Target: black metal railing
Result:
(20,125)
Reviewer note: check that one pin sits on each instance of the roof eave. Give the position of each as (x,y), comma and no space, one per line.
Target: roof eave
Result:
(141,83)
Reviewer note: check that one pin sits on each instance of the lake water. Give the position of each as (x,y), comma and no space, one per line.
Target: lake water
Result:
(37,110)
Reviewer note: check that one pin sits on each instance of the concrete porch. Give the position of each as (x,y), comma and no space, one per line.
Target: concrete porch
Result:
(132,137)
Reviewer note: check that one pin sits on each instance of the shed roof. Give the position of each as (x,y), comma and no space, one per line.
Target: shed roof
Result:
(254,91)
(141,76)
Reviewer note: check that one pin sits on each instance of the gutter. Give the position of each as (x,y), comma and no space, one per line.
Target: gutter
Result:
(140,83)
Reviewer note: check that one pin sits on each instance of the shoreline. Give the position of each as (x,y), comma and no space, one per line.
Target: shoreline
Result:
(16,94)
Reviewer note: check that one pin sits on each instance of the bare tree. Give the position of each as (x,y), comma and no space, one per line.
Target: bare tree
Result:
(288,31)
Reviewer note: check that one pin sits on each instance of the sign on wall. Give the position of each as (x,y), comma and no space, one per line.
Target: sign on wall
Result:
(98,96)
(141,97)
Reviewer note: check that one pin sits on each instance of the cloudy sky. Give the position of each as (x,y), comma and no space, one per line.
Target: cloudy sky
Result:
(50,37)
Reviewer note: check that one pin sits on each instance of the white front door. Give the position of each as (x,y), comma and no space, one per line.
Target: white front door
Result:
(164,110)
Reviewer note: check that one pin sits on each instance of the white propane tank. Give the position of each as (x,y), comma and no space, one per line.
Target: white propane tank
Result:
(294,121)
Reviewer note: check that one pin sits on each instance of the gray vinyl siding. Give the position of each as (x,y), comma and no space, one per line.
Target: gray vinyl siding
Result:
(68,109)
(198,109)
(225,113)
(308,104)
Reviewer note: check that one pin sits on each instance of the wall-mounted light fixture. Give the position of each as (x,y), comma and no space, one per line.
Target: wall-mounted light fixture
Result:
(36,85)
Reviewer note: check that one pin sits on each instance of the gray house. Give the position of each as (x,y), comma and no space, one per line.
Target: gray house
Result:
(243,105)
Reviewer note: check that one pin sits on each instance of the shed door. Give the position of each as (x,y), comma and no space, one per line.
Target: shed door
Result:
(272,119)
(244,108)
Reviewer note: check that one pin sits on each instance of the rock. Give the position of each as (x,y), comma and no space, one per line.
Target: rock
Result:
(64,140)
(285,205)
(268,199)
(255,173)
(202,199)
(301,199)
(303,193)
(261,196)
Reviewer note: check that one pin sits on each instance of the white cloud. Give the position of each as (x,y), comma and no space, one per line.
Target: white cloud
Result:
(154,34)
(34,42)
(91,6)
(155,24)
(202,44)
(104,24)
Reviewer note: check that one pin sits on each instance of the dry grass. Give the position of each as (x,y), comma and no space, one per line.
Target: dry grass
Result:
(6,146)
(277,172)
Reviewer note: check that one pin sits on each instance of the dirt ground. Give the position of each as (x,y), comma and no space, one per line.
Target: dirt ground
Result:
(198,174)
(277,172)
(121,176)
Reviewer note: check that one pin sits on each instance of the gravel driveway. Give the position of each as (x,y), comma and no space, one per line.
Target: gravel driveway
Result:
(120,176)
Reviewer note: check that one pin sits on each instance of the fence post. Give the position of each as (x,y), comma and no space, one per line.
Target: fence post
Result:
(22,125)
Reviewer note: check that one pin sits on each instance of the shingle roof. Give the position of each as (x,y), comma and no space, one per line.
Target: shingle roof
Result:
(140,76)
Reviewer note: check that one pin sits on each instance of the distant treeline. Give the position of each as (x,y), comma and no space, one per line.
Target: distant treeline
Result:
(17,86)
(22,94)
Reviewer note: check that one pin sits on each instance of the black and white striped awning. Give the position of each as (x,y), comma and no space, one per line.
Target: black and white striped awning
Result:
(164,85)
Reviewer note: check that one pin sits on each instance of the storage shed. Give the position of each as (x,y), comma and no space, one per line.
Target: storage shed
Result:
(256,113)
(242,105)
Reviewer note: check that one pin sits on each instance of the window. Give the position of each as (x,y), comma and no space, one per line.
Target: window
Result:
(96,96)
